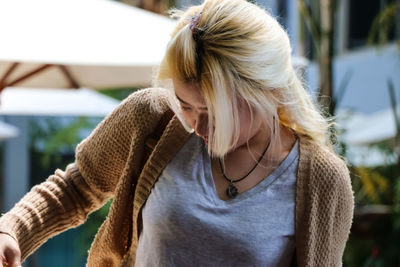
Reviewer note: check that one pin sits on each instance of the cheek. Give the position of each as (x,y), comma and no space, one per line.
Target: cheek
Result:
(245,131)
(247,126)
(189,118)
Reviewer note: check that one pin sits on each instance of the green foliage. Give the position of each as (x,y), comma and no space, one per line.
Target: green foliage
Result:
(383,24)
(396,205)
(375,237)
(54,137)
(379,247)
(373,186)
(171,3)
(90,228)
(118,94)
(312,22)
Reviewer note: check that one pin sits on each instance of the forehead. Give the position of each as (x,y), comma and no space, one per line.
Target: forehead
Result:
(189,93)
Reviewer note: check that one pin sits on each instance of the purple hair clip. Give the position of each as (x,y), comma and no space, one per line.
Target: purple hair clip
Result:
(194,21)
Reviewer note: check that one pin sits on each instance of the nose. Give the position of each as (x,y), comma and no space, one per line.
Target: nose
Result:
(201,125)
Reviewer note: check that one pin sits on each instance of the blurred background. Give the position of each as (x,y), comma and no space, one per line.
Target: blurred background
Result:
(65,64)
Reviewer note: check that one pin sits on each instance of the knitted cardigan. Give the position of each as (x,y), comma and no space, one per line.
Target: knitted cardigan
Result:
(110,164)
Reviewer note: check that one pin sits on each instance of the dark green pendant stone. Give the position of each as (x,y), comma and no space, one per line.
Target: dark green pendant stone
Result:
(232,191)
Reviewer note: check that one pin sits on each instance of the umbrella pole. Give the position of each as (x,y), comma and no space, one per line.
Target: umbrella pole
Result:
(3,83)
(73,83)
(64,70)
(21,78)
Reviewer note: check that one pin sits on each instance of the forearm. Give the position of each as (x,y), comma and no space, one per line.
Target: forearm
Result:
(62,202)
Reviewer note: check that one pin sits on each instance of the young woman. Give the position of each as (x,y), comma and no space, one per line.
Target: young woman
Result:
(243,174)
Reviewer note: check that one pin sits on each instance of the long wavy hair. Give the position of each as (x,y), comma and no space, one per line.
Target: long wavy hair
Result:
(236,50)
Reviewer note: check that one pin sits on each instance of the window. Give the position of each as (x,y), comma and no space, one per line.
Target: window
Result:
(361,16)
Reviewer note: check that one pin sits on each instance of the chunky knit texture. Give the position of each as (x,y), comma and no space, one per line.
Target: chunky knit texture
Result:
(109,164)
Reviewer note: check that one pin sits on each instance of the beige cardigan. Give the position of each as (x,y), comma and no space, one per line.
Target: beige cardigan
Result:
(109,165)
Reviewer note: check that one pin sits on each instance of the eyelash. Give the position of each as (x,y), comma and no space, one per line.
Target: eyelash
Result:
(185,108)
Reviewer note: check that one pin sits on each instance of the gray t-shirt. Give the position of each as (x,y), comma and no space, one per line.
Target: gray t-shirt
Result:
(185,223)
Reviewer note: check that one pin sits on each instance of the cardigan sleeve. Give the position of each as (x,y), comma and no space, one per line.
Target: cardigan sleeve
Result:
(325,209)
(61,202)
(67,197)
(336,215)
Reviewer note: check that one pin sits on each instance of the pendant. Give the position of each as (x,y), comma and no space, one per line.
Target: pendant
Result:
(232,191)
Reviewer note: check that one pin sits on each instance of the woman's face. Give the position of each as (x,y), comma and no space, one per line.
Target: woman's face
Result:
(195,113)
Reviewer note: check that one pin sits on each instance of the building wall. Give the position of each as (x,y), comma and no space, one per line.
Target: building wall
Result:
(369,70)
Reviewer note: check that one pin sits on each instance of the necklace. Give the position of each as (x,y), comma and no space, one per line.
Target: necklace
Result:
(232,190)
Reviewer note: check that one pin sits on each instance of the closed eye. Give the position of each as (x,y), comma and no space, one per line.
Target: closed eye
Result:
(186,108)
(184,104)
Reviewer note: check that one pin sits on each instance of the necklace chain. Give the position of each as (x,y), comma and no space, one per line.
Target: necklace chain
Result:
(252,169)
(232,191)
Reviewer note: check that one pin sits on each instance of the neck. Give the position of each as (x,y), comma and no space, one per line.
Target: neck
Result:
(255,146)
(256,143)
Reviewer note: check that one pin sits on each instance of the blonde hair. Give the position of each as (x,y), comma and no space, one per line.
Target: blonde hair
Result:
(238,50)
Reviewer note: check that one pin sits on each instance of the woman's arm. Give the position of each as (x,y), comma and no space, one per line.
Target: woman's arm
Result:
(324,211)
(67,197)
(62,202)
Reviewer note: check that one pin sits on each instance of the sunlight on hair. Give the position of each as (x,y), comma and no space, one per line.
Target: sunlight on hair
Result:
(242,57)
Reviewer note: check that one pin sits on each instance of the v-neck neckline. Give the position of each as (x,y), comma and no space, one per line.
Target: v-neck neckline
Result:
(261,186)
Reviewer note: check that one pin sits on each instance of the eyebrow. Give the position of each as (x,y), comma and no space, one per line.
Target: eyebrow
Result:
(181,100)
(186,103)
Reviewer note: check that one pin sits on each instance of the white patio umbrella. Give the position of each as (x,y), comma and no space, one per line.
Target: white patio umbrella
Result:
(55,102)
(368,129)
(79,43)
(7,131)
(362,131)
